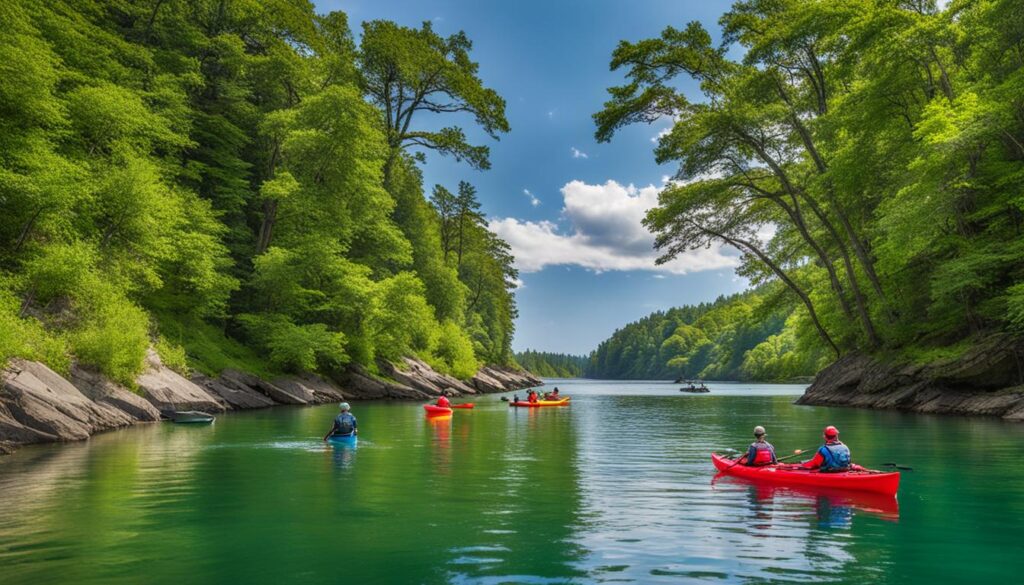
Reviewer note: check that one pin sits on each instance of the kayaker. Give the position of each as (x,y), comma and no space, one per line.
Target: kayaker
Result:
(443,402)
(760,452)
(832,456)
(532,396)
(344,423)
(554,394)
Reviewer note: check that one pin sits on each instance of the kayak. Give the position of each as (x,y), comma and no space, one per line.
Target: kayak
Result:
(349,439)
(878,482)
(190,417)
(466,405)
(434,410)
(526,404)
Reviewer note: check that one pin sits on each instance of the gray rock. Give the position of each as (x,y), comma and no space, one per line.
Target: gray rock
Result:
(985,380)
(169,390)
(363,385)
(311,388)
(38,398)
(237,395)
(103,390)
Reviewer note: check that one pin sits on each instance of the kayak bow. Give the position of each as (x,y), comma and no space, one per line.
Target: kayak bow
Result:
(434,410)
(866,481)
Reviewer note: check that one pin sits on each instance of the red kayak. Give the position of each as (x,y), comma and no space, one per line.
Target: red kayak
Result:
(466,405)
(434,410)
(878,482)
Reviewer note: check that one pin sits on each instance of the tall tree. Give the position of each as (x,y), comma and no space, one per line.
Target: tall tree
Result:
(406,71)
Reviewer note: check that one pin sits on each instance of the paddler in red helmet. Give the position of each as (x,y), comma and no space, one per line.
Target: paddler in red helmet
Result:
(833,456)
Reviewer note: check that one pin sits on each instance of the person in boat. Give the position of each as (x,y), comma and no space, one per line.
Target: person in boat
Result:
(554,394)
(344,423)
(531,396)
(443,401)
(833,456)
(760,452)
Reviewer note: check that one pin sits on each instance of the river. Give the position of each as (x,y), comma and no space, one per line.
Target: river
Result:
(618,487)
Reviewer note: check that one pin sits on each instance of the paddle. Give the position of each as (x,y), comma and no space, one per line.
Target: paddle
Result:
(900,467)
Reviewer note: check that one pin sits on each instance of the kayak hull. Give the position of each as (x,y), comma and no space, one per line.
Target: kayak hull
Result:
(539,403)
(864,481)
(350,439)
(434,410)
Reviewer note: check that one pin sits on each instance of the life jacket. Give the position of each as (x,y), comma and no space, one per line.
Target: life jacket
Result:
(764,453)
(836,457)
(533,398)
(344,424)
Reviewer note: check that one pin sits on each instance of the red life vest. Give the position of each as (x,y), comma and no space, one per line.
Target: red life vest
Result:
(763,453)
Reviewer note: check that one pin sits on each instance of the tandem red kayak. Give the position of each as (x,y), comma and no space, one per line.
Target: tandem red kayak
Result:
(878,482)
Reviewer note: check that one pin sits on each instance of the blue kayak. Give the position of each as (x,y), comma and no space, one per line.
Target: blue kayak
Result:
(349,439)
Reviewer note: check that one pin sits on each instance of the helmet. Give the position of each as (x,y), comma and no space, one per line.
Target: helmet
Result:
(759,431)
(344,406)
(831,431)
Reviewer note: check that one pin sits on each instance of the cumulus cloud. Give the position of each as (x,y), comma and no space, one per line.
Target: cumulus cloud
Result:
(577,153)
(603,232)
(533,199)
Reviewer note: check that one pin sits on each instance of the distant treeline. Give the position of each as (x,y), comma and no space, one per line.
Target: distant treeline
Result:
(552,365)
(748,336)
(741,337)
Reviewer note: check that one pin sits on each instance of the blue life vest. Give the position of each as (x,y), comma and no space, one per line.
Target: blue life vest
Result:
(836,455)
(344,424)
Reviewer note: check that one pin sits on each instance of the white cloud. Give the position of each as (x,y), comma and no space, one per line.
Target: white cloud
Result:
(659,276)
(577,153)
(604,233)
(551,114)
(663,132)
(533,199)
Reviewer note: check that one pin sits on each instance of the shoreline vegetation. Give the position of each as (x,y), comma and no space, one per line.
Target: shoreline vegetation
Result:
(234,194)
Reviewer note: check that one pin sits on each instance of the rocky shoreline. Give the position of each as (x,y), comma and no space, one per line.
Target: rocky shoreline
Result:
(38,405)
(986,380)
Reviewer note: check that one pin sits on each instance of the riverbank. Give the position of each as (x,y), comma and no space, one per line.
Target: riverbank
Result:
(38,405)
(987,379)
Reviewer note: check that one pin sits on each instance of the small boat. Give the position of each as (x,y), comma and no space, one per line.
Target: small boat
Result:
(527,404)
(435,410)
(879,482)
(190,416)
(349,439)
(695,389)
(466,405)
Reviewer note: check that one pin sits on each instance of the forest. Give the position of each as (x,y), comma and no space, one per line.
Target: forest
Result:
(238,184)
(747,336)
(867,156)
(551,365)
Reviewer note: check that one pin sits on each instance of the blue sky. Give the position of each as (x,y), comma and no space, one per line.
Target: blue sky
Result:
(570,207)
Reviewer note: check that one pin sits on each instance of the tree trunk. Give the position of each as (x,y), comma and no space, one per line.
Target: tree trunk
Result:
(806,300)
(858,295)
(267,227)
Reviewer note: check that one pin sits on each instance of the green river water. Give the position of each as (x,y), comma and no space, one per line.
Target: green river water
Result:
(618,487)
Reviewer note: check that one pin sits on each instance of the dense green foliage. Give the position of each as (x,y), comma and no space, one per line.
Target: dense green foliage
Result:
(552,365)
(879,142)
(232,182)
(742,337)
